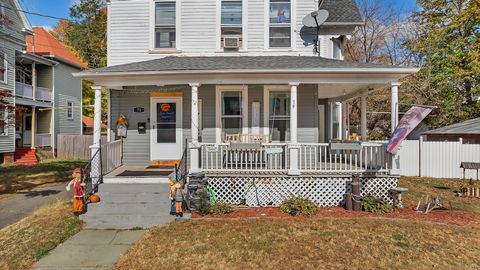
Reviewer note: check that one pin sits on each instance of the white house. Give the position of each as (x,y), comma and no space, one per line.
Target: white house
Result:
(241,84)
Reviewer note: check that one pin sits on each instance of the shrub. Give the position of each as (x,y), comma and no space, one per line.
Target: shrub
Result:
(298,206)
(221,208)
(375,205)
(204,205)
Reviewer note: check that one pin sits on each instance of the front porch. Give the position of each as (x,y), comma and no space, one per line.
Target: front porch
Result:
(274,126)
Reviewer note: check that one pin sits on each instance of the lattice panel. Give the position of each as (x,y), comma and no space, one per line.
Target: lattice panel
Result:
(271,191)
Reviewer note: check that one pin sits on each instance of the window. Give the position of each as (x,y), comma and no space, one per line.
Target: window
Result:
(3,68)
(337,48)
(3,17)
(69,110)
(231,20)
(279,115)
(3,121)
(165,29)
(232,112)
(280,36)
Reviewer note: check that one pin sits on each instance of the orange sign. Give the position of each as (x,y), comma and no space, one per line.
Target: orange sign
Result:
(165,107)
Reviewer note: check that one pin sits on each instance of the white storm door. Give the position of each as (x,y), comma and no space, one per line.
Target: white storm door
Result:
(27,130)
(166,128)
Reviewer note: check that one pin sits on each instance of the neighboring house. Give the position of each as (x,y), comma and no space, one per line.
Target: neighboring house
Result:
(87,126)
(468,131)
(240,81)
(39,75)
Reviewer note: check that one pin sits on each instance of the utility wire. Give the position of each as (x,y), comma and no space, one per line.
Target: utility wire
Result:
(38,14)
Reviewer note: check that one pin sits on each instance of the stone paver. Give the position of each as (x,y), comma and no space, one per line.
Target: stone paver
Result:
(90,249)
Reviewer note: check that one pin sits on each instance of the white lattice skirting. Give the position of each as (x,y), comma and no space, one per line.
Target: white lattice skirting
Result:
(271,191)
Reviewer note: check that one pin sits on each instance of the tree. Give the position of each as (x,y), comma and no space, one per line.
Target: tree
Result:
(449,43)
(86,38)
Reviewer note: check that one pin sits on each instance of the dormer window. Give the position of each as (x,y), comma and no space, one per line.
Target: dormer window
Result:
(165,25)
(337,48)
(280,24)
(231,22)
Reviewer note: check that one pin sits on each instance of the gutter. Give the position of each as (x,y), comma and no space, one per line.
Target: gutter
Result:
(89,74)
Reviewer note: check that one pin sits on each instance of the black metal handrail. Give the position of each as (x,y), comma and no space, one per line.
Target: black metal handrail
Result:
(92,175)
(181,169)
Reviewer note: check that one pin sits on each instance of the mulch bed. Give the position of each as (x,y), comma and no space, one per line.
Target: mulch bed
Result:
(440,216)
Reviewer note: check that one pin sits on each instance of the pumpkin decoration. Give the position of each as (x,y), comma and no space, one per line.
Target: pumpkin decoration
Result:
(94,198)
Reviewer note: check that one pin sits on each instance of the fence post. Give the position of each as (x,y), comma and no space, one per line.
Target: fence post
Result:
(420,146)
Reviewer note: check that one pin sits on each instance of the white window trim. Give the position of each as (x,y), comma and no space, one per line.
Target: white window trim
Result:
(178,13)
(68,108)
(293,28)
(266,104)
(218,22)
(5,64)
(5,119)
(218,108)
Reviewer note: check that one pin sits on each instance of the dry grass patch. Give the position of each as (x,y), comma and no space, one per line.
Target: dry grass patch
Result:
(305,243)
(420,186)
(25,242)
(14,178)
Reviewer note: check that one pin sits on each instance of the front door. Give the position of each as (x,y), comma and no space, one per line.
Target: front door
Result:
(166,131)
(27,130)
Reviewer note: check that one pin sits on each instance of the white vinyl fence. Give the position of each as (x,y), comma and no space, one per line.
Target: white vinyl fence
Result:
(437,159)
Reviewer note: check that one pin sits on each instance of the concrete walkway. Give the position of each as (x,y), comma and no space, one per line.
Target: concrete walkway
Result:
(90,249)
(108,226)
(22,204)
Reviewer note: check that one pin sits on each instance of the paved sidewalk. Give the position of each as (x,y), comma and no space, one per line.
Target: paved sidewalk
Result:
(90,249)
(22,204)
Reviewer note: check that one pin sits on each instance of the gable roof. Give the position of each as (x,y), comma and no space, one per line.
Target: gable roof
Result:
(342,11)
(47,45)
(88,122)
(471,126)
(23,16)
(238,63)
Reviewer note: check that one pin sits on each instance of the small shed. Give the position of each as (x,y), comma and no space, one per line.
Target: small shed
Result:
(468,130)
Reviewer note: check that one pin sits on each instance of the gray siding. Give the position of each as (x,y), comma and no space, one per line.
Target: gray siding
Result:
(67,88)
(137,146)
(7,143)
(44,76)
(43,121)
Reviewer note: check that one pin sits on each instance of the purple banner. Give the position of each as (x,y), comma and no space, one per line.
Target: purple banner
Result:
(409,122)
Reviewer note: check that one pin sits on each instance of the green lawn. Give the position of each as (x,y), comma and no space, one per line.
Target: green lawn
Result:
(14,178)
(421,186)
(25,242)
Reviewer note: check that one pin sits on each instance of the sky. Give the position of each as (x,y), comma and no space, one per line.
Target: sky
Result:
(61,8)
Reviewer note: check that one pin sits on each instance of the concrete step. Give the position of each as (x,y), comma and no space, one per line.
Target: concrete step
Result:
(135,180)
(152,208)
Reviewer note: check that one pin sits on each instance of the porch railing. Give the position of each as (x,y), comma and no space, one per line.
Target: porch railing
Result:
(370,157)
(26,91)
(43,139)
(23,90)
(265,157)
(42,93)
(111,156)
(275,157)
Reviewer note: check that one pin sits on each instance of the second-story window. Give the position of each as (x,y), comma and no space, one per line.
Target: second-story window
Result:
(336,48)
(165,28)
(280,36)
(231,20)
(69,110)
(3,68)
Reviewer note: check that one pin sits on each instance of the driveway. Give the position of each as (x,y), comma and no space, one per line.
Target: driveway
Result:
(20,205)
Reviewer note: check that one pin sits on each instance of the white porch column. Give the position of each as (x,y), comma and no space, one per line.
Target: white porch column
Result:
(343,121)
(293,146)
(109,117)
(394,108)
(394,115)
(363,116)
(194,146)
(96,169)
(34,81)
(33,126)
(338,111)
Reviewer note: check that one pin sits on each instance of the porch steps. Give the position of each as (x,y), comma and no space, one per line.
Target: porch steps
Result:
(25,156)
(135,180)
(125,206)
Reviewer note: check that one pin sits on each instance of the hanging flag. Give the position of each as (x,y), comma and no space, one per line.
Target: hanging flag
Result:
(409,122)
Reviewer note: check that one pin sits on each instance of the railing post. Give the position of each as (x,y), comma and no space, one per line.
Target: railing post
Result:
(293,146)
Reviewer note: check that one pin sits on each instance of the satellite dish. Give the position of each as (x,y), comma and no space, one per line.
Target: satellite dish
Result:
(316,18)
